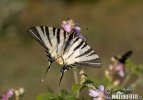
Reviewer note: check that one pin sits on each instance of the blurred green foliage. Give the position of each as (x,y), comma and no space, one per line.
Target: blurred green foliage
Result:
(63,95)
(127,85)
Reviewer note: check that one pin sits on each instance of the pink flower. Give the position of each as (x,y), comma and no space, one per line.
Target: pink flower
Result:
(66,27)
(121,63)
(77,29)
(70,26)
(12,93)
(120,69)
(7,95)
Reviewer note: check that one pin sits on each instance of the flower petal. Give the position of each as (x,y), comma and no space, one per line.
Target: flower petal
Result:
(98,98)
(9,93)
(121,73)
(119,67)
(93,93)
(77,29)
(101,88)
(63,23)
(67,28)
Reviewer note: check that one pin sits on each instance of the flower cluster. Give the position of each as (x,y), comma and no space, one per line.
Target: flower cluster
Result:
(7,95)
(94,92)
(70,26)
(13,94)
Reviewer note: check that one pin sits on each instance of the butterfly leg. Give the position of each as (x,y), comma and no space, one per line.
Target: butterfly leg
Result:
(63,70)
(50,60)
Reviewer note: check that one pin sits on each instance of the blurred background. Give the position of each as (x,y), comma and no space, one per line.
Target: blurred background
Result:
(114,27)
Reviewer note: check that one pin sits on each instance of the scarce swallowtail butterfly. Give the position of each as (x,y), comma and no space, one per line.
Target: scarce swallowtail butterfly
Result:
(124,57)
(64,48)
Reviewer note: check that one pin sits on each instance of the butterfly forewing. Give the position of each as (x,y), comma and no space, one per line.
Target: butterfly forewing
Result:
(73,50)
(51,38)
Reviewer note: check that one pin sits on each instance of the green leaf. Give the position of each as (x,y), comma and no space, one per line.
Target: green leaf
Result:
(88,82)
(139,69)
(129,63)
(76,87)
(60,98)
(82,87)
(46,96)
(70,97)
(67,97)
(63,93)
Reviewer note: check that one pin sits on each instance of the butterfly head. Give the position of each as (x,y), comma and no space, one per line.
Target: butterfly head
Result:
(59,60)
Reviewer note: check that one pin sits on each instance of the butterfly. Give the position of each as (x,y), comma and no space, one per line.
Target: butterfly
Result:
(64,48)
(124,57)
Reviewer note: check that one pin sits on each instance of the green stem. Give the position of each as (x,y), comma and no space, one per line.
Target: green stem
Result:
(126,80)
(137,82)
(76,81)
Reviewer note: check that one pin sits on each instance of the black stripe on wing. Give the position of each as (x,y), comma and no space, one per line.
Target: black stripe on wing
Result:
(67,41)
(95,62)
(80,53)
(80,44)
(84,54)
(58,36)
(35,34)
(48,35)
(88,63)
(54,30)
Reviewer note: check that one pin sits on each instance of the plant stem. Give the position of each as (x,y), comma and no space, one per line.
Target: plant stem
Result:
(83,76)
(76,81)
(137,82)
(126,80)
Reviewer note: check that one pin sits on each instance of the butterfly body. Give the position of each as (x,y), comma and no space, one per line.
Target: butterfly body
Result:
(64,48)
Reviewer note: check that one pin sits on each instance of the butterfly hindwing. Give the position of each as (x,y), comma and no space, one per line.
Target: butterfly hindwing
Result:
(81,54)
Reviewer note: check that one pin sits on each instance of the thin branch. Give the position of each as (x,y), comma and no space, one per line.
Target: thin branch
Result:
(75,71)
(136,83)
(126,80)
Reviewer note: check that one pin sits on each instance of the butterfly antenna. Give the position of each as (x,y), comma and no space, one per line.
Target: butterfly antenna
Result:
(46,71)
